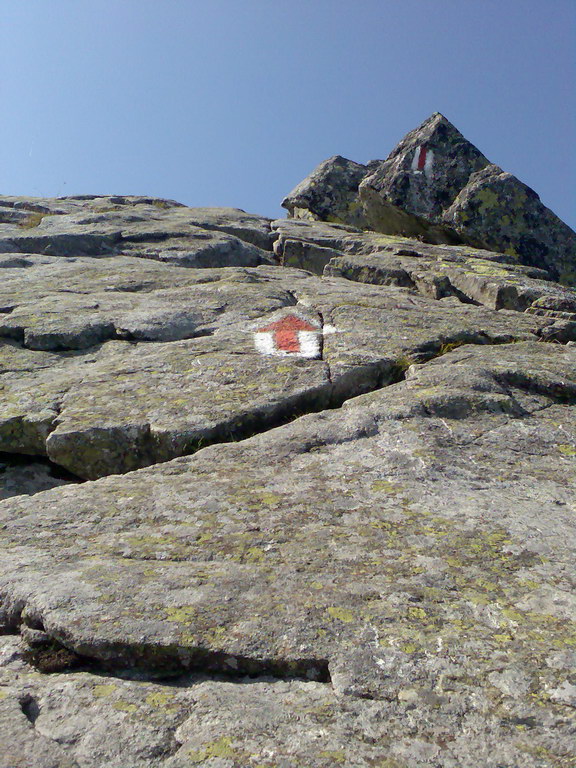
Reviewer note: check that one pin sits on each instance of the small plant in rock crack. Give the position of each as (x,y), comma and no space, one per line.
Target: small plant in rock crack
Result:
(402,363)
(449,347)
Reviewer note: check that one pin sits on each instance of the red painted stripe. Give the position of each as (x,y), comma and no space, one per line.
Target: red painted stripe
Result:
(422,159)
(287,341)
(289,322)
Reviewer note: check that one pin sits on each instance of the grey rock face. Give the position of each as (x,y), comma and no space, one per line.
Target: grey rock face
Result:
(95,401)
(19,476)
(437,186)
(424,173)
(330,505)
(330,193)
(140,227)
(495,208)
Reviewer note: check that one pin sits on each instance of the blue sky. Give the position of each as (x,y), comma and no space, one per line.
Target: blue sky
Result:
(232,102)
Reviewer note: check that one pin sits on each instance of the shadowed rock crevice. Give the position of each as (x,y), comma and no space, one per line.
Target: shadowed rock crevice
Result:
(563,393)
(471,277)
(145,445)
(25,474)
(30,708)
(104,450)
(92,339)
(153,662)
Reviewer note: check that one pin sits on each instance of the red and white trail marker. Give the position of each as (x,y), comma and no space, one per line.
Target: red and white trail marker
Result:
(291,335)
(423,160)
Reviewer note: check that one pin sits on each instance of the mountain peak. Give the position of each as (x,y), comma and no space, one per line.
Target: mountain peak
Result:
(431,186)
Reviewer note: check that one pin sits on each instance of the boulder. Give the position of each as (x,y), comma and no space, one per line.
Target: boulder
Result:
(421,177)
(498,210)
(330,193)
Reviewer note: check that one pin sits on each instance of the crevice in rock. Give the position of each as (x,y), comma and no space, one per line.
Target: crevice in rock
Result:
(440,347)
(57,408)
(94,343)
(294,297)
(122,334)
(25,474)
(246,236)
(157,447)
(153,663)
(434,284)
(30,708)
(153,446)
(19,459)
(60,245)
(463,297)
(13,334)
(563,394)
(155,237)
(321,343)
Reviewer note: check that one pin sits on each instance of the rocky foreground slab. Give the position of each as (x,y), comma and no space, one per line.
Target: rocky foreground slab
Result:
(314,494)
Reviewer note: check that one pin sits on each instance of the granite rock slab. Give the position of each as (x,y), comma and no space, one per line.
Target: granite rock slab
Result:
(498,210)
(328,501)
(149,229)
(107,367)
(401,547)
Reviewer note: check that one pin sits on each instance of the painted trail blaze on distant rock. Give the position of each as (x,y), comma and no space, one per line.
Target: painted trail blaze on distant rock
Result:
(423,159)
(290,335)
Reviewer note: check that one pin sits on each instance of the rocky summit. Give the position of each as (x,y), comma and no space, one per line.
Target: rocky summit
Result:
(292,493)
(437,186)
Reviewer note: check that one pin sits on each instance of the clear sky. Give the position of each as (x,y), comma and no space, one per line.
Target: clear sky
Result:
(232,102)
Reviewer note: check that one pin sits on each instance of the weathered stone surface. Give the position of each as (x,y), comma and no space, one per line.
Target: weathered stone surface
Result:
(65,306)
(97,410)
(246,226)
(386,580)
(437,186)
(330,193)
(485,277)
(19,475)
(421,176)
(470,274)
(399,540)
(146,229)
(395,195)
(28,212)
(498,210)
(80,203)
(79,719)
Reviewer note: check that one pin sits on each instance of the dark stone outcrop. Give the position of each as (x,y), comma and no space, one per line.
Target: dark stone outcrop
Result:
(330,193)
(437,186)
(498,210)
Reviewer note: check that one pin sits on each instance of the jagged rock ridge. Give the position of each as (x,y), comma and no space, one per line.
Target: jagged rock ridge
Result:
(348,541)
(439,187)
